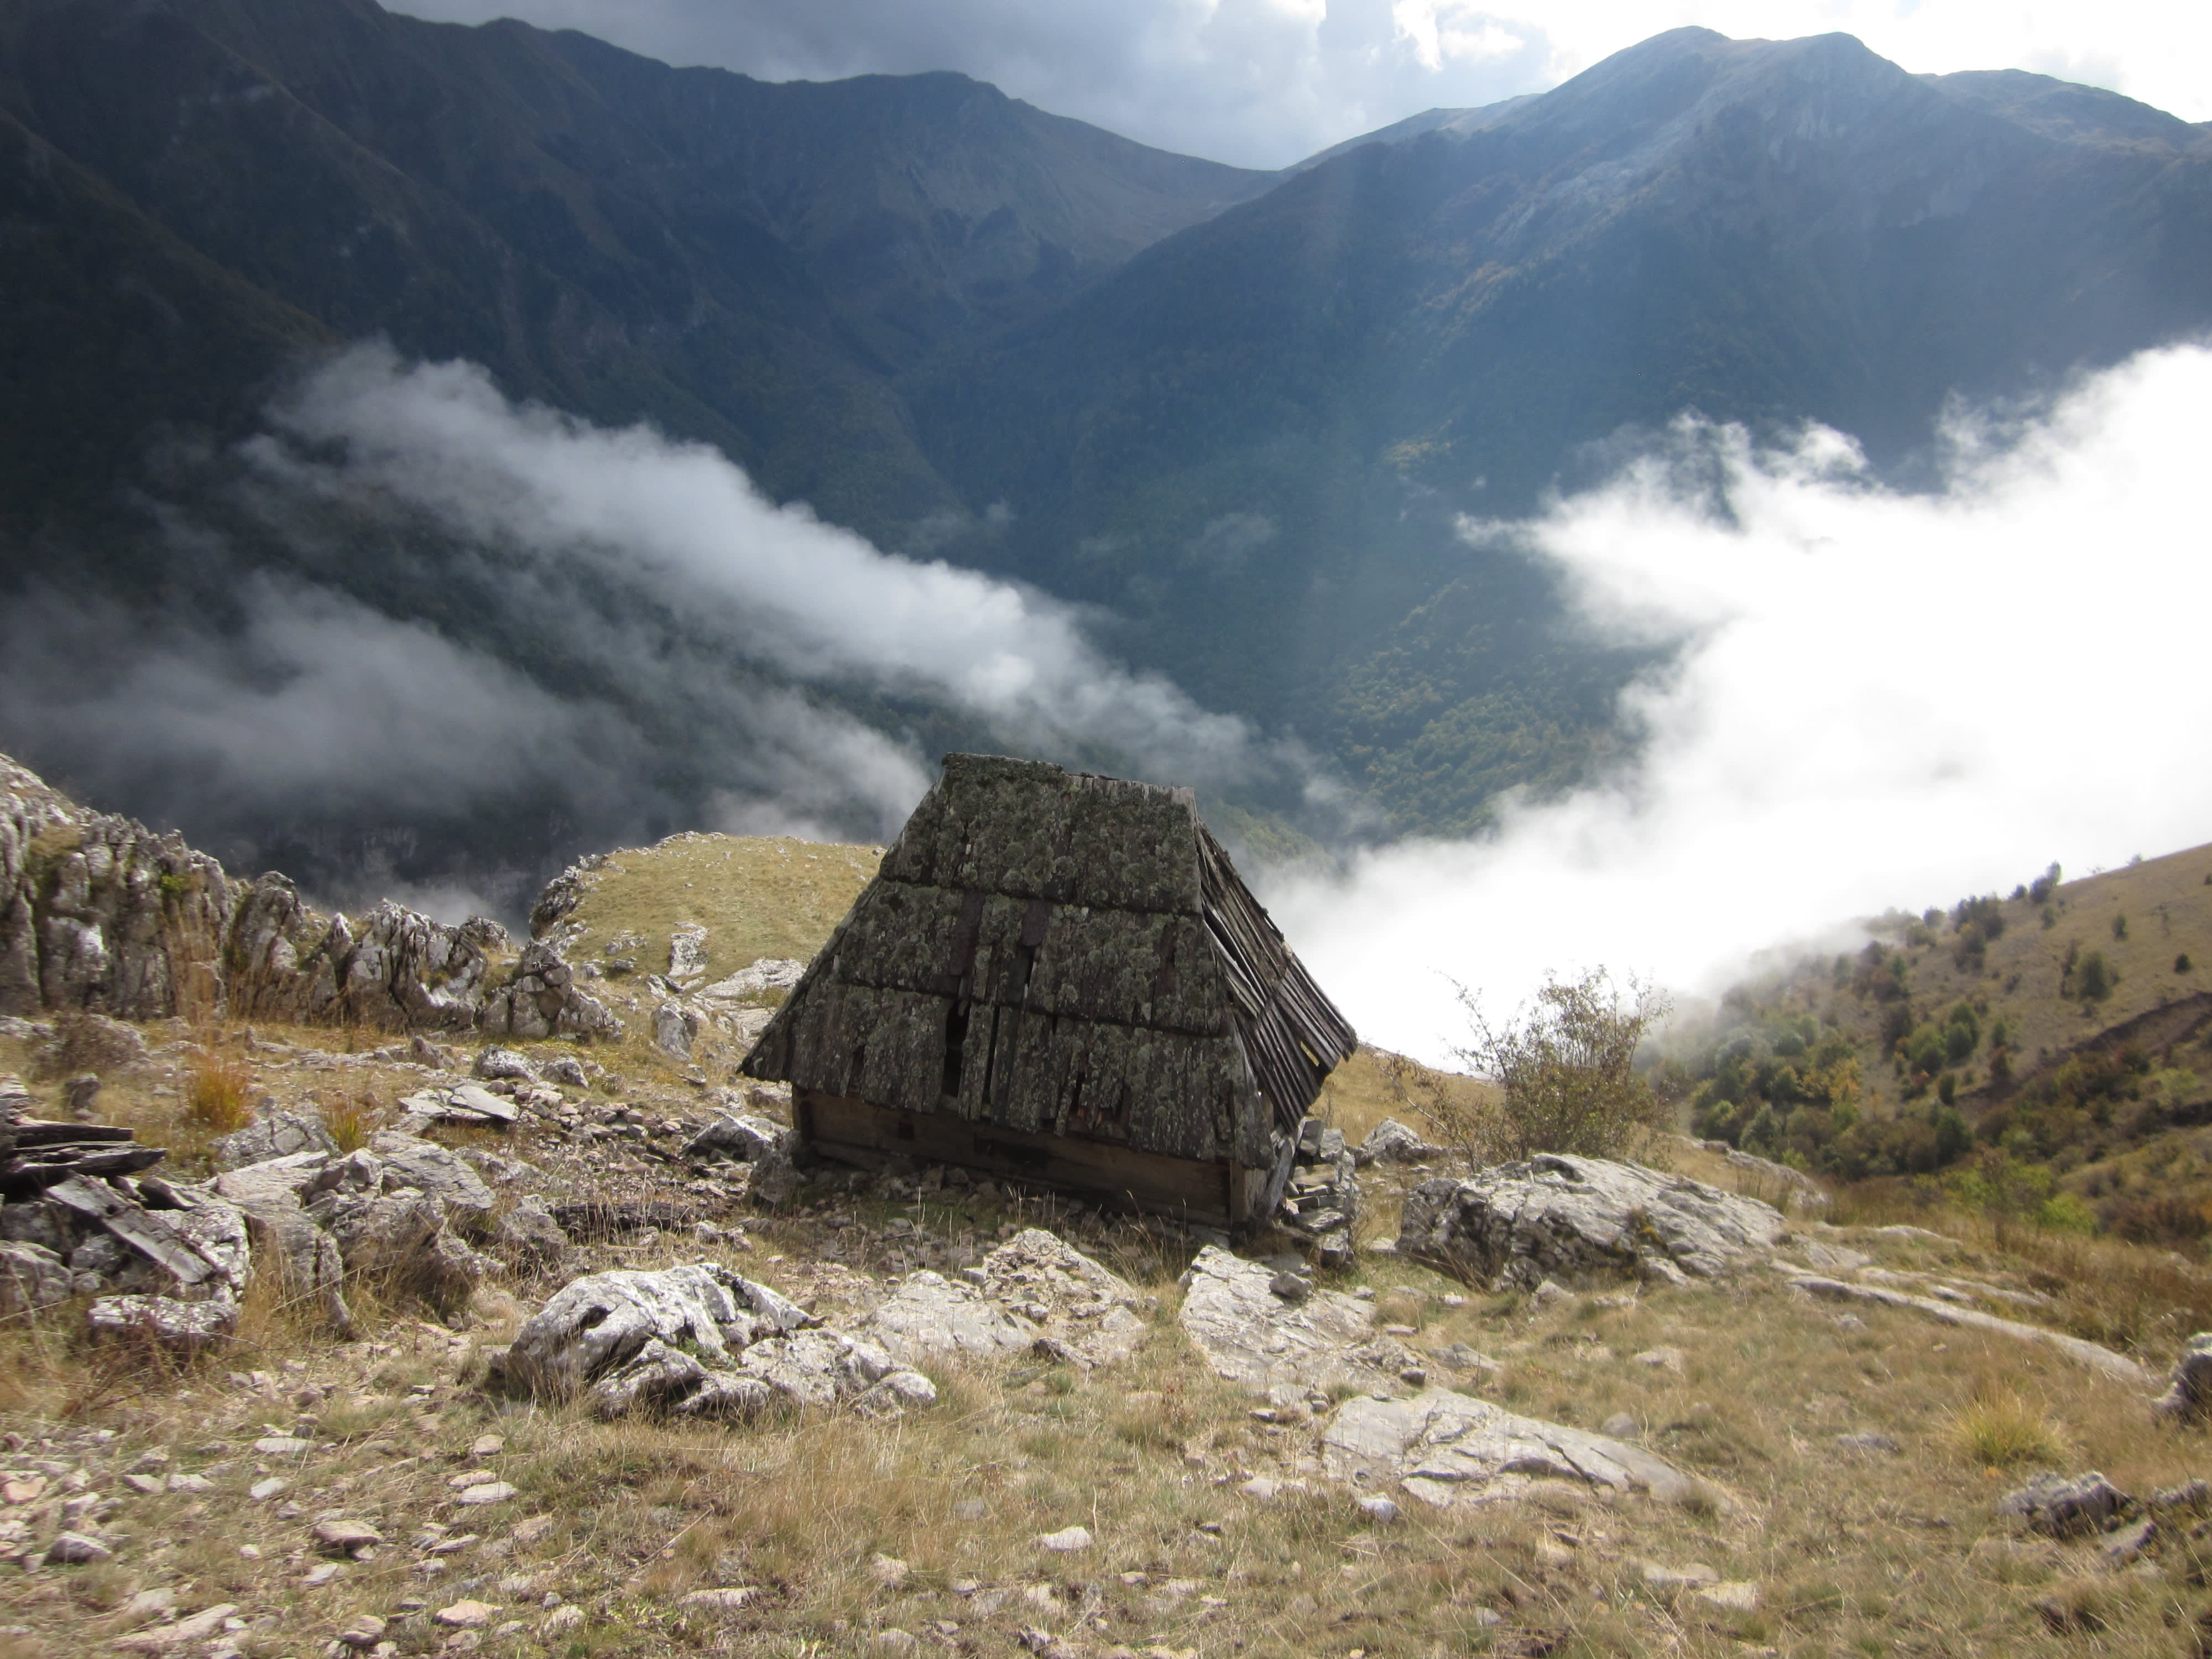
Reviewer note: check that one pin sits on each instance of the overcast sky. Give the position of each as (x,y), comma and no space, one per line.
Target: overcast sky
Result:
(1264,82)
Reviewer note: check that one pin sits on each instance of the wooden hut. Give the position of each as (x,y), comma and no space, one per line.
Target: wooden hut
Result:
(1060,978)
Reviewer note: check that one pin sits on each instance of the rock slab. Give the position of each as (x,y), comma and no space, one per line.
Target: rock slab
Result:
(1449,1450)
(1252,1336)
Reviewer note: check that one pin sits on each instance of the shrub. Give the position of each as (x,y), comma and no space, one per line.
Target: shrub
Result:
(2120,927)
(1567,1074)
(2181,963)
(1924,1053)
(2164,1218)
(2040,890)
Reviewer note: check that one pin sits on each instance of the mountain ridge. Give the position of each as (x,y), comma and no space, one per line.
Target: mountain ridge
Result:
(1237,418)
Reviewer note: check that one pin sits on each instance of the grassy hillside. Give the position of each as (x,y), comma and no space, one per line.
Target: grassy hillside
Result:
(766,896)
(2043,1052)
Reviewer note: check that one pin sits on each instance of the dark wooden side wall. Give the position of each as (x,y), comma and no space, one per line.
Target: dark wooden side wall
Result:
(1225,1194)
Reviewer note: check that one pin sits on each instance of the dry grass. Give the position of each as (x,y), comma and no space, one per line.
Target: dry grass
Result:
(353,1120)
(1855,1553)
(1375,1084)
(2001,1428)
(756,896)
(2134,1298)
(218,1087)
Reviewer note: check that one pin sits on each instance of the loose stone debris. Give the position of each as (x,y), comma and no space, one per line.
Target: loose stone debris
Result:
(1251,1335)
(1321,1202)
(1450,1449)
(1580,1219)
(1034,1293)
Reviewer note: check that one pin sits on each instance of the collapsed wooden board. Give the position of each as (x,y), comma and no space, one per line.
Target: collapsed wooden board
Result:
(1215,1194)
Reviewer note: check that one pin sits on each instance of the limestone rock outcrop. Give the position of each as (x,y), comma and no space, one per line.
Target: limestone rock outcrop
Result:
(99,914)
(1577,1219)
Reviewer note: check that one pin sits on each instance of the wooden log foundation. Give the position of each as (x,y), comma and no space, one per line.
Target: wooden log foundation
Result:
(1222,1193)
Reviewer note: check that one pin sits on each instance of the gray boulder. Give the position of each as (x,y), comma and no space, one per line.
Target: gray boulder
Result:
(764,1145)
(767,975)
(183,1328)
(307,1259)
(401,1240)
(687,952)
(1392,1142)
(929,1316)
(495,1063)
(696,1340)
(1576,1220)
(2060,1508)
(741,1137)
(543,999)
(308,1264)
(40,1222)
(274,1180)
(403,1210)
(529,1238)
(1088,1313)
(1034,1293)
(1450,1449)
(2188,1395)
(429,1169)
(675,1029)
(32,1277)
(273,1134)
(195,1250)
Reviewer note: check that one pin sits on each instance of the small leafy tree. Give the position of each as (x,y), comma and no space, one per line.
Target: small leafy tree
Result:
(2094,977)
(1565,1072)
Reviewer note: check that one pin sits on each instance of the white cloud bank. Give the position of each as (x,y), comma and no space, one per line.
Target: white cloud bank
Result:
(546,492)
(1883,700)
(1265,83)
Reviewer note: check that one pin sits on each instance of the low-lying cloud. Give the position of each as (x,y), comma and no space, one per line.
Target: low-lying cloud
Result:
(476,635)
(549,493)
(1880,699)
